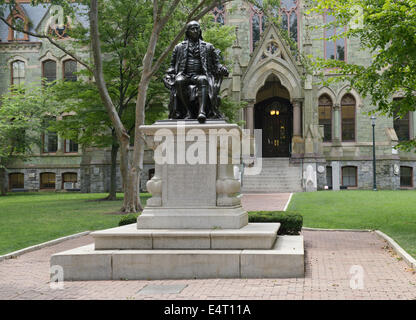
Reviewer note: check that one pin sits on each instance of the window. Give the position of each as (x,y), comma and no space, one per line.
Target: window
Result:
(49,71)
(71,146)
(47,180)
(348,118)
(401,125)
(334,49)
(289,14)
(18,35)
(17,72)
(70,68)
(16,181)
(406,177)
(219,14)
(349,176)
(18,20)
(50,138)
(257,24)
(69,179)
(325,116)
(50,142)
(329,177)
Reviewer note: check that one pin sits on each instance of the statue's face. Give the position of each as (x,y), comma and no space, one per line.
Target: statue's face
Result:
(193,30)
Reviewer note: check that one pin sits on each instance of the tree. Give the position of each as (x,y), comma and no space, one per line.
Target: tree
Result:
(22,112)
(162,19)
(386,29)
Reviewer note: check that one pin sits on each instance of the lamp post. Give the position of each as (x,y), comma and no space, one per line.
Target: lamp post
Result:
(373,123)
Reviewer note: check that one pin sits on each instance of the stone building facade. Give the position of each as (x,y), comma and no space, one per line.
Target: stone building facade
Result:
(314,137)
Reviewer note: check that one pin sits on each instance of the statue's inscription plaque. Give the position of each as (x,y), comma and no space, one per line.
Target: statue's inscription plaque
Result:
(189,185)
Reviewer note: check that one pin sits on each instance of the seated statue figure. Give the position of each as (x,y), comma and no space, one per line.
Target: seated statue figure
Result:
(194,78)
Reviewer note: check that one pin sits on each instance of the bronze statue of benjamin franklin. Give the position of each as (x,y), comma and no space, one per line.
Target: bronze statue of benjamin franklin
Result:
(194,78)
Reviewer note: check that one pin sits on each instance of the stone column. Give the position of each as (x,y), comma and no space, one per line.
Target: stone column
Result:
(337,123)
(250,117)
(297,121)
(336,181)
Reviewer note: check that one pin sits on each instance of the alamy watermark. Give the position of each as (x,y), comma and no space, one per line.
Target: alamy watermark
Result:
(357,277)
(212,146)
(57,277)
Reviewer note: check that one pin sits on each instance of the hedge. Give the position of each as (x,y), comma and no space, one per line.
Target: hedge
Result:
(290,222)
(128,219)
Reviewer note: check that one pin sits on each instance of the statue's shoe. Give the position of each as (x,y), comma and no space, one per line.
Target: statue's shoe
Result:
(202,117)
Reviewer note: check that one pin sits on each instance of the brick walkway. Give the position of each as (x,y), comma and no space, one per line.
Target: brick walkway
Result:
(266,202)
(329,257)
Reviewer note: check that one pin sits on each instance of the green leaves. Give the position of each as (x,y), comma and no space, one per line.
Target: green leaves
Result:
(21,120)
(389,35)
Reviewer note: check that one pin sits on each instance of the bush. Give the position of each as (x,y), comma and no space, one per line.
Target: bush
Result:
(128,219)
(290,222)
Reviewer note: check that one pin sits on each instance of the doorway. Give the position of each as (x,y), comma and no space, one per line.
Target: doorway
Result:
(274,116)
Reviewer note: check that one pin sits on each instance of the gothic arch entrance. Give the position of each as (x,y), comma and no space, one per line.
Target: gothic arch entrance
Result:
(275,117)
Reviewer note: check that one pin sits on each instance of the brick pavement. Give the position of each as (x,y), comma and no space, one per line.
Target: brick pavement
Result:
(329,256)
(266,202)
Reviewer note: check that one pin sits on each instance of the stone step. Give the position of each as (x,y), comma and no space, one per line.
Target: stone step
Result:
(284,260)
(251,236)
(277,175)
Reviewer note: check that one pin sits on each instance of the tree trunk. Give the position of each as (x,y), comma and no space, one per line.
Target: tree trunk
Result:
(3,189)
(113,176)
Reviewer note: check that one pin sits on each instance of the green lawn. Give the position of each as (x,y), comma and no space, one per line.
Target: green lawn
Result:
(392,212)
(31,218)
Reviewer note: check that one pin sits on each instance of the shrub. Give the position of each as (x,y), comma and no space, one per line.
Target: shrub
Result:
(290,222)
(128,219)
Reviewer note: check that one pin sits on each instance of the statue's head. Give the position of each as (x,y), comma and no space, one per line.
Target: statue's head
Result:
(193,31)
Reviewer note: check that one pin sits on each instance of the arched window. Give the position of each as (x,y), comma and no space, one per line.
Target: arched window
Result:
(17,72)
(16,181)
(334,49)
(219,14)
(18,35)
(406,177)
(325,116)
(47,180)
(289,11)
(348,117)
(70,68)
(49,71)
(69,179)
(349,176)
(257,25)
(18,20)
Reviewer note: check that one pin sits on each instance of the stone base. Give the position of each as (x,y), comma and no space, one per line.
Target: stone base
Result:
(284,260)
(193,218)
(252,236)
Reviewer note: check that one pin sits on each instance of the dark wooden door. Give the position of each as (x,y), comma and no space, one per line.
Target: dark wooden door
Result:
(274,117)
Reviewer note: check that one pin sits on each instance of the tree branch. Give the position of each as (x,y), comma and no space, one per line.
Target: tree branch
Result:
(53,42)
(99,75)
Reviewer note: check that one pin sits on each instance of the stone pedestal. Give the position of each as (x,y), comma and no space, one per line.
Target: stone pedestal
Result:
(193,185)
(194,225)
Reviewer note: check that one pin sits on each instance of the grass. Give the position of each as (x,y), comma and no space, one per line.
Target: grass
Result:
(27,219)
(31,218)
(392,212)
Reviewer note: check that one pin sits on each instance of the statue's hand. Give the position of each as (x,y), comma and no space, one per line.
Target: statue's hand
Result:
(223,71)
